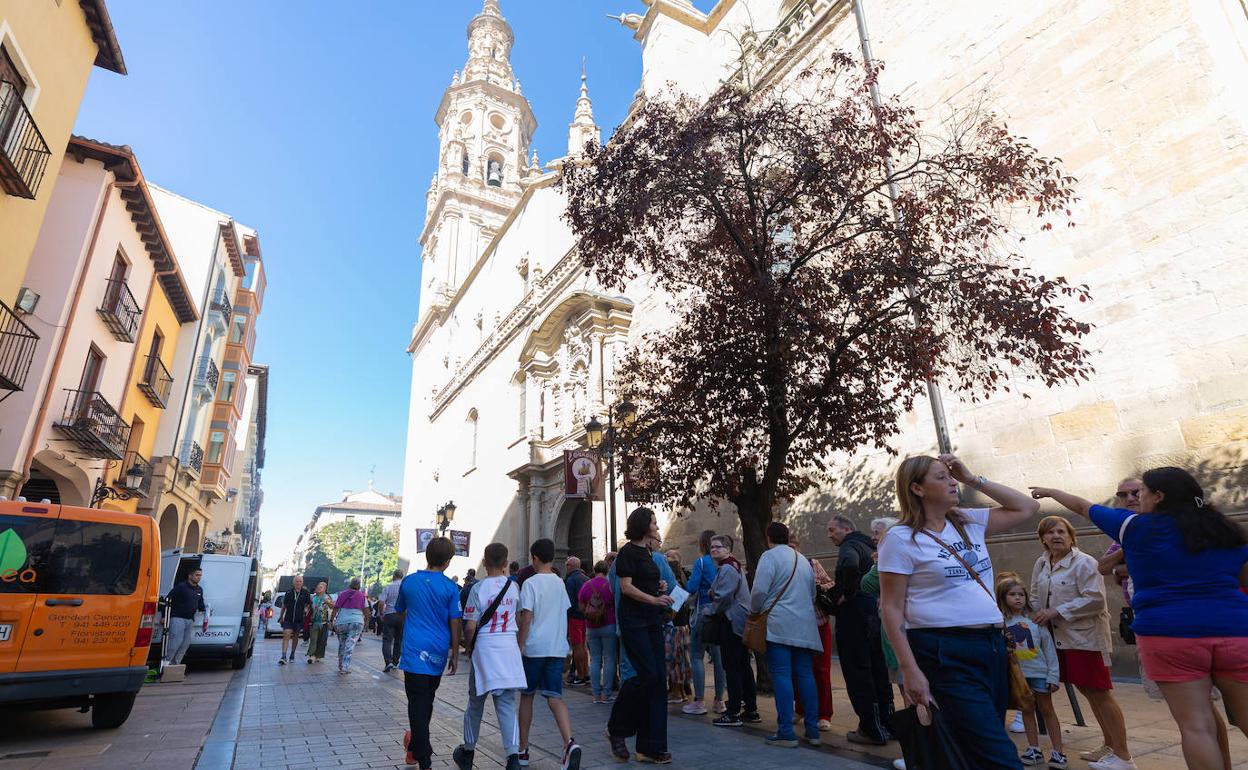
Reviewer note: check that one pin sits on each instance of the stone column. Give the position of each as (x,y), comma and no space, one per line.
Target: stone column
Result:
(535,517)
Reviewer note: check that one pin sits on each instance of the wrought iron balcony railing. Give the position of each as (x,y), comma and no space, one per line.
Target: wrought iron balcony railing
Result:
(92,423)
(195,457)
(221,304)
(120,311)
(17,350)
(206,378)
(129,462)
(157,382)
(24,155)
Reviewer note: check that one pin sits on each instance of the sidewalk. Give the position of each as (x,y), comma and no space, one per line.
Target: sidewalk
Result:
(169,724)
(1154,736)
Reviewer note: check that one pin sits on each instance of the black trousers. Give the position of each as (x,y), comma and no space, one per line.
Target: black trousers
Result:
(742,697)
(862,664)
(391,638)
(420,691)
(641,707)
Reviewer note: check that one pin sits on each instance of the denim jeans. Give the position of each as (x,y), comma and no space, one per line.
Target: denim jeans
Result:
(347,634)
(641,708)
(603,644)
(792,665)
(966,670)
(697,655)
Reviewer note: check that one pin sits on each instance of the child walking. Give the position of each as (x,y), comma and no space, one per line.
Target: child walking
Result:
(543,639)
(1036,654)
(429,605)
(495,666)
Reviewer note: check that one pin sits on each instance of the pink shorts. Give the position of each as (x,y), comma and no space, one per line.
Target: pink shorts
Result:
(1175,659)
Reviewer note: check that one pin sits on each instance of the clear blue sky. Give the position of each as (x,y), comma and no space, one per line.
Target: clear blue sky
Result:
(313,122)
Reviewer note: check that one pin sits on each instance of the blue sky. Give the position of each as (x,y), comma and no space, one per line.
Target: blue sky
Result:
(313,122)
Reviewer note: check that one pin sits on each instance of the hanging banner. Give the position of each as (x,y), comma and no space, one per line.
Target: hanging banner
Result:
(461,540)
(423,536)
(582,474)
(641,479)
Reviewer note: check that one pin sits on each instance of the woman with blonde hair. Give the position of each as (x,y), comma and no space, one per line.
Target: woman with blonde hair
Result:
(1069,595)
(935,574)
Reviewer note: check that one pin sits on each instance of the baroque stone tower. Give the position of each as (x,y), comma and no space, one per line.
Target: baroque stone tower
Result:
(485,130)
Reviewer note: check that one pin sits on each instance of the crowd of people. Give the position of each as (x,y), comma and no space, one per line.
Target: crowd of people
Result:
(914,603)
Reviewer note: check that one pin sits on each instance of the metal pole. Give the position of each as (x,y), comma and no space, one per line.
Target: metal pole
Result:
(611,475)
(933,393)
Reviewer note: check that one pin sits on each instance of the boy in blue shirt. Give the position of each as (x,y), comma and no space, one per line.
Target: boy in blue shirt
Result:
(429,603)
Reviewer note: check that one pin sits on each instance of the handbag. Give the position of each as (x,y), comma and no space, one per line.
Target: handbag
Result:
(926,741)
(755,634)
(711,629)
(1125,618)
(1021,695)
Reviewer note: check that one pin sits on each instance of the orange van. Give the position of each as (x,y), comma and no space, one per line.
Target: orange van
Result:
(77,606)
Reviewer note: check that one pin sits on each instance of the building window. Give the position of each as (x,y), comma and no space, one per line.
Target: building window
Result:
(473,421)
(238,329)
(464,164)
(494,172)
(229,380)
(216,446)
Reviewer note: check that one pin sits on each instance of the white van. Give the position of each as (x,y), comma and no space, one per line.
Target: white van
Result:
(231,592)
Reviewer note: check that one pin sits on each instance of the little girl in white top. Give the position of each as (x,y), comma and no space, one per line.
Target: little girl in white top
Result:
(1032,646)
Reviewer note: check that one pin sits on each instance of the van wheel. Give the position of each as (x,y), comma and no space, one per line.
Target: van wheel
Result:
(238,661)
(111,711)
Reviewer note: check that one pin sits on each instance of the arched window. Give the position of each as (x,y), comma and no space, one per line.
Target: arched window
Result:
(472,438)
(464,164)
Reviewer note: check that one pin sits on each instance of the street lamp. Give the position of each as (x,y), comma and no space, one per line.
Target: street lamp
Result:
(446,514)
(102,492)
(624,414)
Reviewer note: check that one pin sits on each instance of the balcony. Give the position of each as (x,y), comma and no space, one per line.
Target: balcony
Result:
(91,422)
(219,313)
(206,379)
(17,350)
(24,155)
(120,311)
(193,456)
(157,382)
(130,461)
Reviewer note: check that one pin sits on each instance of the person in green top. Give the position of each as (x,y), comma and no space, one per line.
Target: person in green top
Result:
(322,606)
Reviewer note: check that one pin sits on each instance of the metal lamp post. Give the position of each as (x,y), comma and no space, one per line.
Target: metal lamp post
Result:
(625,414)
(446,514)
(102,492)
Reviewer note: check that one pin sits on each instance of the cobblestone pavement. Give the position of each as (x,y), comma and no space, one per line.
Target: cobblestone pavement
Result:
(307,716)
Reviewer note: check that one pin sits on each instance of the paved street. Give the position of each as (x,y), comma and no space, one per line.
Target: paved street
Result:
(300,716)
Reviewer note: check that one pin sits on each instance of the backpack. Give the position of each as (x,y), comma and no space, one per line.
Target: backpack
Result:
(594,609)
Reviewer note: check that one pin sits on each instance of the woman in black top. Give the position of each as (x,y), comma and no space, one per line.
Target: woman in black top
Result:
(641,708)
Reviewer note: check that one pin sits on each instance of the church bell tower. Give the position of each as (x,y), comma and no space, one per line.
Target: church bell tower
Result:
(485,129)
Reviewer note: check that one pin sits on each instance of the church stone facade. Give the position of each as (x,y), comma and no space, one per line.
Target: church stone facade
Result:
(1146,102)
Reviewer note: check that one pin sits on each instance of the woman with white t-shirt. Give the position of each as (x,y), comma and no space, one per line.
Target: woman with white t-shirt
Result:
(952,652)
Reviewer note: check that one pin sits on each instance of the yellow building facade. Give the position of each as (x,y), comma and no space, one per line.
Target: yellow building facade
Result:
(47,50)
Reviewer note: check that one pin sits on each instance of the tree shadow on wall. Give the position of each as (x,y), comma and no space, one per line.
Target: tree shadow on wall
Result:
(857,489)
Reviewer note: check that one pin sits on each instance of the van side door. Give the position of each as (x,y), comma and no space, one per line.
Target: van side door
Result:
(89,608)
(26,533)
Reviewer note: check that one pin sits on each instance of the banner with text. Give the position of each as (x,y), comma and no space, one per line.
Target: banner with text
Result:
(582,474)
(641,479)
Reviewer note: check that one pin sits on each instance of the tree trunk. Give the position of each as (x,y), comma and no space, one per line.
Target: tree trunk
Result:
(754,515)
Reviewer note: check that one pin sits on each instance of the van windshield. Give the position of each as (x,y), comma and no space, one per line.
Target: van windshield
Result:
(64,556)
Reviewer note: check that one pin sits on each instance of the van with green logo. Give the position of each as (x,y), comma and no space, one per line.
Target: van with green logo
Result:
(77,607)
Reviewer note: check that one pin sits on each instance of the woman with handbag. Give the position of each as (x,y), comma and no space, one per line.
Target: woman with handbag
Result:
(782,601)
(729,598)
(700,579)
(934,577)
(1069,593)
(318,635)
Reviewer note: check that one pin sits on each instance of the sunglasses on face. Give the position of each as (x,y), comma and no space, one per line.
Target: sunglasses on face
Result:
(1123,494)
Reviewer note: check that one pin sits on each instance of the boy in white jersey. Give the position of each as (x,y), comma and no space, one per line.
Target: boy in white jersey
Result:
(496,667)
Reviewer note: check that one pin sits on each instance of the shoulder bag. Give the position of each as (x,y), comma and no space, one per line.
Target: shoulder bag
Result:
(755,634)
(487,615)
(1021,696)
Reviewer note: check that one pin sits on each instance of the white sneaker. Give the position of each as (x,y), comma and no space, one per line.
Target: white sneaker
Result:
(1017,725)
(1096,755)
(697,708)
(1112,762)
(899,764)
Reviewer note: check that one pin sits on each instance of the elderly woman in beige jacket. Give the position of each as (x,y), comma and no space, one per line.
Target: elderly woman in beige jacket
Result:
(1069,593)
